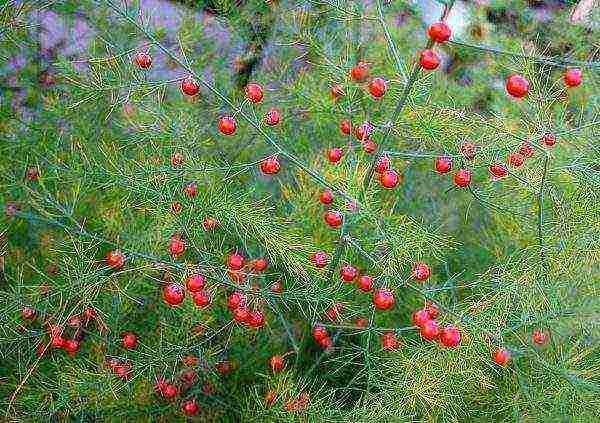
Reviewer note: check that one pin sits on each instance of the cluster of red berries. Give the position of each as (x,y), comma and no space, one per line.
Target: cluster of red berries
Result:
(174,293)
(169,391)
(238,305)
(425,320)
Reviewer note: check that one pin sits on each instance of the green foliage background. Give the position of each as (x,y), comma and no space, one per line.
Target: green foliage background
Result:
(507,257)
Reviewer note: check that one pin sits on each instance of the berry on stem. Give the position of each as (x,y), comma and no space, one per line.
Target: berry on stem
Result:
(190,407)
(260,264)
(326,197)
(450,336)
(173,294)
(235,261)
(526,149)
(256,319)
(176,246)
(360,72)
(270,165)
(334,155)
(227,125)
(334,218)
(573,77)
(517,86)
(236,299)
(276,362)
(383,164)
(365,283)
(540,337)
(383,299)
(348,272)
(369,146)
(129,340)
(443,164)
(549,139)
(468,150)
(319,333)
(462,178)
(389,341)
(389,179)
(429,60)
(115,259)
(498,170)
(516,159)
(195,282)
(191,189)
(319,259)
(421,271)
(363,131)
(189,86)
(254,92)
(201,298)
(377,87)
(272,117)
(429,330)
(439,32)
(346,126)
(419,317)
(143,60)
(501,356)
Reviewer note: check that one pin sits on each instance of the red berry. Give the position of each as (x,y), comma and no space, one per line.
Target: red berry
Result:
(173,294)
(516,160)
(429,330)
(235,261)
(365,283)
(277,287)
(143,60)
(71,346)
(195,282)
(383,299)
(498,170)
(439,32)
(319,259)
(256,319)
(272,117)
(201,298)
(191,189)
(501,356)
(517,86)
(115,259)
(389,179)
(462,178)
(428,59)
(270,165)
(389,341)
(177,159)
(254,92)
(58,341)
(209,223)
(333,312)
(276,362)
(443,164)
(32,174)
(450,336)
(236,299)
(360,72)
(468,150)
(348,272)
(190,408)
(334,218)
(573,77)
(336,92)
(361,323)
(326,197)
(432,309)
(421,271)
(227,125)
(319,332)
(28,313)
(383,164)
(369,146)
(169,391)
(129,340)
(260,264)
(335,154)
(241,314)
(363,131)
(526,149)
(540,337)
(326,343)
(549,139)
(346,126)
(377,87)
(176,246)
(189,86)
(419,317)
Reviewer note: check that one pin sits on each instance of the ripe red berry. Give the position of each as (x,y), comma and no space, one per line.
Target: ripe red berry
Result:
(383,299)
(450,336)
(540,337)
(443,164)
(169,390)
(58,341)
(227,125)
(326,197)
(389,179)
(115,259)
(526,149)
(573,77)
(176,246)
(498,170)
(256,319)
(71,346)
(346,126)
(516,159)
(348,272)
(462,178)
(428,59)
(501,356)
(363,131)
(173,294)
(254,92)
(369,146)
(335,154)
(236,299)
(209,223)
(365,283)
(129,340)
(419,317)
(383,164)
(177,159)
(336,92)
(276,362)
(191,189)
(325,343)
(319,259)
(439,32)
(549,140)
(270,165)
(377,87)
(517,86)
(389,341)
(143,60)
(468,150)
(432,309)
(201,298)
(319,332)
(189,86)
(235,261)
(28,313)
(272,117)
(195,282)
(190,408)
(241,314)
(421,271)
(334,218)
(429,330)
(360,72)
(260,264)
